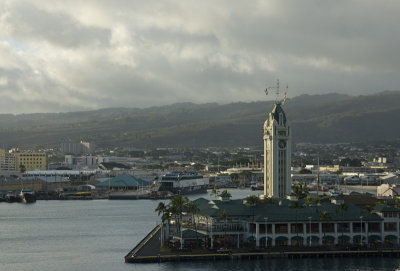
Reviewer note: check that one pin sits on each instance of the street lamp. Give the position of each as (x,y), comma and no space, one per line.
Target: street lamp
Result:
(309,219)
(266,232)
(361,231)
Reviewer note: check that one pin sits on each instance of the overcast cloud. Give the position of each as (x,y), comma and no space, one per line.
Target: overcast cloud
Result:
(58,56)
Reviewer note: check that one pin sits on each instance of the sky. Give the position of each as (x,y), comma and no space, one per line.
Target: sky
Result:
(60,56)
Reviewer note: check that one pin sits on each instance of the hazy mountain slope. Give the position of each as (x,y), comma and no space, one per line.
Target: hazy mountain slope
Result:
(315,118)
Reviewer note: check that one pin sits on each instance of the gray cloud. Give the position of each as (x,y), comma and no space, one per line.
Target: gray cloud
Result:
(74,55)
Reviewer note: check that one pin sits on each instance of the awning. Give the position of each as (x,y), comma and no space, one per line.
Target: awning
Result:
(329,237)
(374,237)
(344,237)
(251,238)
(263,238)
(281,238)
(358,237)
(299,238)
(313,238)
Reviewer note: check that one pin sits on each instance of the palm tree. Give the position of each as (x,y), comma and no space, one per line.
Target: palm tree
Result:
(223,215)
(161,208)
(192,208)
(177,205)
(300,192)
(368,208)
(324,216)
(313,201)
(252,201)
(341,209)
(296,206)
(164,210)
(225,195)
(214,192)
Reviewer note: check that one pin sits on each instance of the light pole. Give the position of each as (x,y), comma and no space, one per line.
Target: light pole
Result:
(266,232)
(309,223)
(361,231)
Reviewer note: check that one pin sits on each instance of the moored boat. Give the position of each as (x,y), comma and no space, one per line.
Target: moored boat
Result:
(27,196)
(184,182)
(11,197)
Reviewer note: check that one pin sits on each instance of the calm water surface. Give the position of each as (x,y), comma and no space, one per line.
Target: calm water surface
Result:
(96,235)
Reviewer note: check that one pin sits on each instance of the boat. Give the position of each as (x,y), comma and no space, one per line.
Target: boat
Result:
(183,182)
(27,196)
(257,186)
(12,197)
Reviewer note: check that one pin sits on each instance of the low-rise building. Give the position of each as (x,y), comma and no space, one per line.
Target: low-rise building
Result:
(274,223)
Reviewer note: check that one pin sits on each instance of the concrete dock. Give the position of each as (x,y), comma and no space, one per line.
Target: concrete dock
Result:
(148,251)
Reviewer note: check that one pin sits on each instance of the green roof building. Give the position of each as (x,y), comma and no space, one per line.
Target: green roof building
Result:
(123,182)
(283,222)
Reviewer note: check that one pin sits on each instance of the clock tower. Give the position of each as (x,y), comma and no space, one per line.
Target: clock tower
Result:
(277,153)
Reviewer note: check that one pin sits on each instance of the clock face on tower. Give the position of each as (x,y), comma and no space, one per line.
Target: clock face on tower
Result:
(282,144)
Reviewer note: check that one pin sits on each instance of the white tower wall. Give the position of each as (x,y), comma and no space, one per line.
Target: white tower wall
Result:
(277,154)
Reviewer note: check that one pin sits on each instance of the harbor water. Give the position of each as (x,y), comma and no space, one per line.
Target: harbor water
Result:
(97,234)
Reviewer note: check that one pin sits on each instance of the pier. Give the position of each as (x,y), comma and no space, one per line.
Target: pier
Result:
(149,251)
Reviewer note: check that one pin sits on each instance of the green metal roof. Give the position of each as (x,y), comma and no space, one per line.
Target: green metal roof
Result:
(386,208)
(124,180)
(282,211)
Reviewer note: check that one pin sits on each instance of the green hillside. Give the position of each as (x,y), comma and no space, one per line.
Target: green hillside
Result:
(315,118)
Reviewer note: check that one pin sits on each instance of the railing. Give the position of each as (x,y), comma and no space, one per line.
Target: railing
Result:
(217,227)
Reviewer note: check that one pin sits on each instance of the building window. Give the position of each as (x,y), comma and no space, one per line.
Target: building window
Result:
(281,228)
(389,226)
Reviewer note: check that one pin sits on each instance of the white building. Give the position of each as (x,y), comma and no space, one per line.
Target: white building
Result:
(277,154)
(387,190)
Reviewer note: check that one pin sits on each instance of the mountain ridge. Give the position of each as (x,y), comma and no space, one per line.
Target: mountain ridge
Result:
(327,118)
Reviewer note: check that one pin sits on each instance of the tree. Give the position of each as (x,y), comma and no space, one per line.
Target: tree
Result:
(177,205)
(192,208)
(397,203)
(369,208)
(175,208)
(22,168)
(225,194)
(296,206)
(312,201)
(350,162)
(223,215)
(300,191)
(214,192)
(161,208)
(252,201)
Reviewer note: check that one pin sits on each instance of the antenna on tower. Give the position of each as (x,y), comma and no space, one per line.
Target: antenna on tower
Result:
(277,88)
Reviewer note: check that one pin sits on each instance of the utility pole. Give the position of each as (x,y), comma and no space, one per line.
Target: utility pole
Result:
(318,176)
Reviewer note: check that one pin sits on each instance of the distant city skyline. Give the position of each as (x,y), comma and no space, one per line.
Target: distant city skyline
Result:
(62,56)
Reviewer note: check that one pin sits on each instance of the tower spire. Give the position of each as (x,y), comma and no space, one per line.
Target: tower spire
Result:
(277,92)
